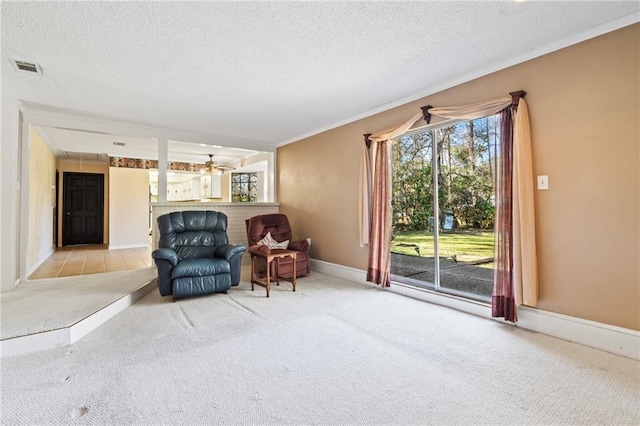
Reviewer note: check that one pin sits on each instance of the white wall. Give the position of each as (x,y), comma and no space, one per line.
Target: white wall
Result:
(9,224)
(42,176)
(128,207)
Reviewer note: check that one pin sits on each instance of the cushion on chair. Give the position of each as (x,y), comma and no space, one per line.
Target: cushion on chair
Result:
(195,286)
(200,268)
(271,242)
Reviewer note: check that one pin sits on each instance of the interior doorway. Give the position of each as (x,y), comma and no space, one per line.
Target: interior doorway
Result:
(83,208)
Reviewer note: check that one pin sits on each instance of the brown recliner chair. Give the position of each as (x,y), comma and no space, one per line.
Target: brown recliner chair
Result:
(278,225)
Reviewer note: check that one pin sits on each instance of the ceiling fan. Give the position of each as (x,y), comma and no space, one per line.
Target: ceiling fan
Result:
(213,167)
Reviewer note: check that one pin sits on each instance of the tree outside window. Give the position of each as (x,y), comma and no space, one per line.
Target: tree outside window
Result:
(465,160)
(244,187)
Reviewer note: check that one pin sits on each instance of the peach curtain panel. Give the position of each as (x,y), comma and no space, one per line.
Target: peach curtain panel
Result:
(397,130)
(364,207)
(525,258)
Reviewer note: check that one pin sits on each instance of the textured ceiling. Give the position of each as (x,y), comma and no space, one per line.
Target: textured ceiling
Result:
(259,74)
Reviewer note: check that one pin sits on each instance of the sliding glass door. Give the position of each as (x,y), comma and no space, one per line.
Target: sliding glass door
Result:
(443,208)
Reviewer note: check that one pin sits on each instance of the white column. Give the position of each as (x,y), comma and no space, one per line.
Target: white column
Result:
(163,160)
(23,184)
(271,178)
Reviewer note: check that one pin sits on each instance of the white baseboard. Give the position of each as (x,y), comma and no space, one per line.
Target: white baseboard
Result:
(33,268)
(609,338)
(127,246)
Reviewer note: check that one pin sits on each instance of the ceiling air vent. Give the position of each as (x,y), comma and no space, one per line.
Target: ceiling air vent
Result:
(27,67)
(119,143)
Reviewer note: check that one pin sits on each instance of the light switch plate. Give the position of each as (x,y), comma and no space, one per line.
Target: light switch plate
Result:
(543,182)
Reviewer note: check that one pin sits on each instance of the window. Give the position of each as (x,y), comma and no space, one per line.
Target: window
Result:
(244,187)
(443,207)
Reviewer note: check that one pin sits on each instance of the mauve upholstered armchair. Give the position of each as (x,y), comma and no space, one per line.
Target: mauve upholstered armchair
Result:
(278,225)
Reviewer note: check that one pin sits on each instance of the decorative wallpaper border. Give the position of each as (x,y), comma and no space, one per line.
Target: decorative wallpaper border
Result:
(140,163)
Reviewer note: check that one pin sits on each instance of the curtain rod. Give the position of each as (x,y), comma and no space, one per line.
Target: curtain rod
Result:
(367,141)
(515,97)
(425,113)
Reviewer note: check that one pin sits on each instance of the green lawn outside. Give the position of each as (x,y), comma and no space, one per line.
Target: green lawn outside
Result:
(466,246)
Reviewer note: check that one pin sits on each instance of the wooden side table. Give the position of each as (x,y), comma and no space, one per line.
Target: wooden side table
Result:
(269,256)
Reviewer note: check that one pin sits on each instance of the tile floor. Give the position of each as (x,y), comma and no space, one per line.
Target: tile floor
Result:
(92,259)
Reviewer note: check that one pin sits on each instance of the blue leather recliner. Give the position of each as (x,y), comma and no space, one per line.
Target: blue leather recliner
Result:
(194,256)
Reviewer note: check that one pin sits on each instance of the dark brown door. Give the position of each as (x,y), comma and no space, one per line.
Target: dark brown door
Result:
(83,208)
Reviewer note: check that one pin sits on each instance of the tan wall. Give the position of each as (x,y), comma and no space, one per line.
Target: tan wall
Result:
(226,188)
(42,176)
(585,114)
(83,167)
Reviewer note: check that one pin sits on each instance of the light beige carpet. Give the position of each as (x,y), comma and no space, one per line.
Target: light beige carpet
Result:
(51,304)
(334,352)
